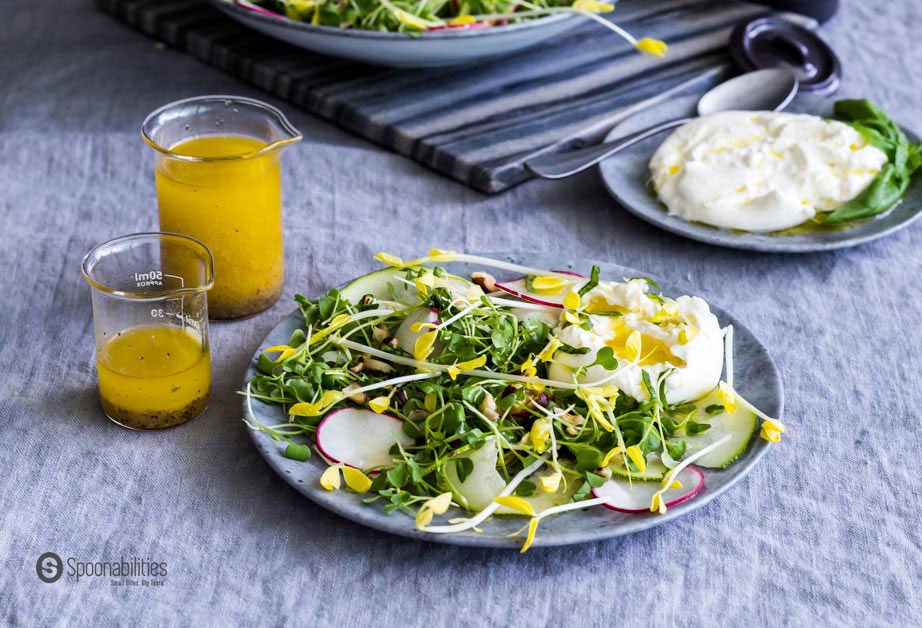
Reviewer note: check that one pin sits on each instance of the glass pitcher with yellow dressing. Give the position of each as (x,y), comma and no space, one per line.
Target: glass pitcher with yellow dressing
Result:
(219,181)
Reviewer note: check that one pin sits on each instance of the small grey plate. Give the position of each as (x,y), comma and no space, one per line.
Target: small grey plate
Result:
(626,176)
(756,377)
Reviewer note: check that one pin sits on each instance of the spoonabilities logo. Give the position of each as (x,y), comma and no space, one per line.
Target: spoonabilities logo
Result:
(49,567)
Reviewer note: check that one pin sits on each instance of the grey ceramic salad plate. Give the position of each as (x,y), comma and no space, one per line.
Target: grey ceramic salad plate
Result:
(426,50)
(626,176)
(757,380)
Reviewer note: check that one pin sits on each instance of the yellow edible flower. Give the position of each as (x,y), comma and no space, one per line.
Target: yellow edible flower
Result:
(539,435)
(423,345)
(657,504)
(424,282)
(337,322)
(593,6)
(608,457)
(687,334)
(419,326)
(549,285)
(316,409)
(772,429)
(637,457)
(430,401)
(285,350)
(517,504)
(550,483)
(532,527)
(653,47)
(670,484)
(410,20)
(549,350)
(528,368)
(633,346)
(436,506)
(379,404)
(572,301)
(572,318)
(356,480)
(453,372)
(727,397)
(390,260)
(669,310)
(476,363)
(462,20)
(330,478)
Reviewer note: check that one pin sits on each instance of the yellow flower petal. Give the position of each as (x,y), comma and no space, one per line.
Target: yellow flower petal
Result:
(430,401)
(410,20)
(440,504)
(532,527)
(593,6)
(572,300)
(550,483)
(330,397)
(772,429)
(657,504)
(633,346)
(379,404)
(419,326)
(637,457)
(549,350)
(462,20)
(390,260)
(306,409)
(356,480)
(653,47)
(423,345)
(423,517)
(608,457)
(687,334)
(571,318)
(669,310)
(476,363)
(539,435)
(727,397)
(453,372)
(330,478)
(517,504)
(673,484)
(549,285)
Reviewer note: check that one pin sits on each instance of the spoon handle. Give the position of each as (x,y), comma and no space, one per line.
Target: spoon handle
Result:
(561,165)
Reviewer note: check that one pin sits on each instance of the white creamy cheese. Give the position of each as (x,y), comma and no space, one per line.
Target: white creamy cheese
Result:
(688,343)
(761,171)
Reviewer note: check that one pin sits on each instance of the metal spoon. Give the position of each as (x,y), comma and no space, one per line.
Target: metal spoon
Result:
(772,89)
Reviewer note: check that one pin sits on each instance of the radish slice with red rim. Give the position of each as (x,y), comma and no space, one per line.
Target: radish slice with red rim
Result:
(635,497)
(360,438)
(519,289)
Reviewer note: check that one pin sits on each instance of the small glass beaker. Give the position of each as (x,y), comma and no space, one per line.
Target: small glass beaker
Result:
(219,180)
(150,316)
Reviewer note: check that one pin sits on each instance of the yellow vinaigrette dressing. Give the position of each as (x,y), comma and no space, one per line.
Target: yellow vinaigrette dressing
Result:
(234,206)
(154,376)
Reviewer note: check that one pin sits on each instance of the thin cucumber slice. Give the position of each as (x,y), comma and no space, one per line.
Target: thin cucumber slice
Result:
(485,483)
(376,284)
(655,471)
(740,424)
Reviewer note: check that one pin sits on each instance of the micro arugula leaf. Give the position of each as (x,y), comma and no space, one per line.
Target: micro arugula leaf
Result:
(651,390)
(595,481)
(606,359)
(581,492)
(526,489)
(714,409)
(398,475)
(463,467)
(297,338)
(301,453)
(676,448)
(587,457)
(565,348)
(592,283)
(693,427)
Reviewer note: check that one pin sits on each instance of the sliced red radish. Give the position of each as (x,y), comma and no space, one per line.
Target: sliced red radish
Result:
(519,289)
(635,497)
(360,438)
(405,336)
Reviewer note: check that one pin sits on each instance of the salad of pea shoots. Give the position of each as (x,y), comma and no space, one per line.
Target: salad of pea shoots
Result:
(424,390)
(419,16)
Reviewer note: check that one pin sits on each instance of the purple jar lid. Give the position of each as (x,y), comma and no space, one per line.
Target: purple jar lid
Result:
(769,42)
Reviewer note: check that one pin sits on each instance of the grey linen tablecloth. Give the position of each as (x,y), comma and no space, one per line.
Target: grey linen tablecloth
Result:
(825,532)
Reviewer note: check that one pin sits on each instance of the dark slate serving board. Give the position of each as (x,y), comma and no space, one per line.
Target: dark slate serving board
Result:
(475,124)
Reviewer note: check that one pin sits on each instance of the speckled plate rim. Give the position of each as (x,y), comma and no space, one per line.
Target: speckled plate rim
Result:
(555,531)
(626,192)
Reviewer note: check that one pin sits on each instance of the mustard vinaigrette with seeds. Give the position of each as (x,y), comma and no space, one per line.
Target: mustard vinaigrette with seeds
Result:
(154,376)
